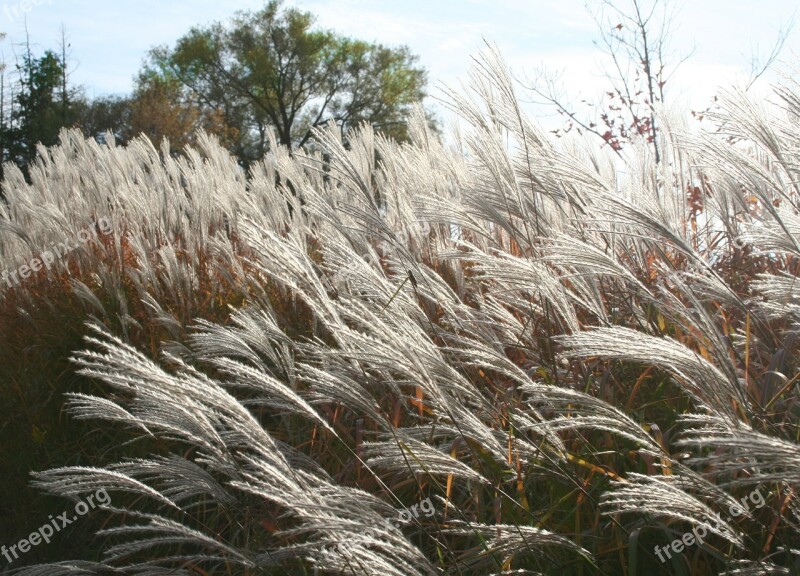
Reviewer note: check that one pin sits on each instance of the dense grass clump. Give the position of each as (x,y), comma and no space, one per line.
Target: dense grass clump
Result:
(511,355)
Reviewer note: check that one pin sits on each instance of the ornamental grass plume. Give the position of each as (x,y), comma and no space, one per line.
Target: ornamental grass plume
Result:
(575,364)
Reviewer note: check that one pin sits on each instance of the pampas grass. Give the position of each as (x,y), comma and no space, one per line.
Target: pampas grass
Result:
(575,363)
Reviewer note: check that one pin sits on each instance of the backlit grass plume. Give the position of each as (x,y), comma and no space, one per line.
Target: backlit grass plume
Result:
(574,364)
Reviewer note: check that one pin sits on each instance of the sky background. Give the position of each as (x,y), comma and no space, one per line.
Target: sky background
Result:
(108,40)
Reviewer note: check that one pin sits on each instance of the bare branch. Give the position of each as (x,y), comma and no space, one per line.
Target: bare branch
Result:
(756,68)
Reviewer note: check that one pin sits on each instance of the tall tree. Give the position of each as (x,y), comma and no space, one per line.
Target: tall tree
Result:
(95,117)
(272,68)
(39,107)
(158,110)
(36,101)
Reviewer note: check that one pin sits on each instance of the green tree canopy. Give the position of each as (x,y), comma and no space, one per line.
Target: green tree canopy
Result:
(40,108)
(273,69)
(99,115)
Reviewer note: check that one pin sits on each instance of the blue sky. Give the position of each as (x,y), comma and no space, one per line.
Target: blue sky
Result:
(109,39)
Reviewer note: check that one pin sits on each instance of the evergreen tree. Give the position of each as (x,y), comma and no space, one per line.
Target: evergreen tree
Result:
(41,108)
